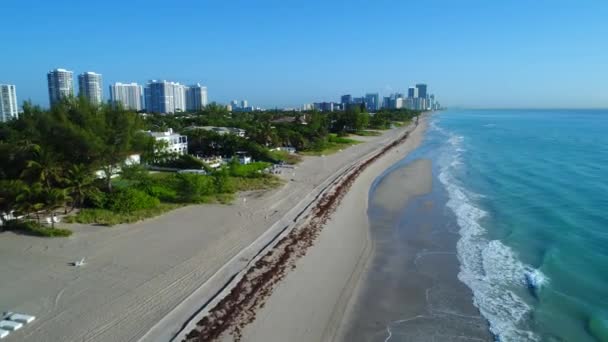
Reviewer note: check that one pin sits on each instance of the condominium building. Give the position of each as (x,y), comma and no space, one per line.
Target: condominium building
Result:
(412,92)
(165,97)
(421,90)
(90,87)
(60,83)
(196,97)
(372,102)
(130,95)
(346,100)
(8,102)
(179,97)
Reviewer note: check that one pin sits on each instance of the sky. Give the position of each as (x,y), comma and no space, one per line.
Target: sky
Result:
(278,53)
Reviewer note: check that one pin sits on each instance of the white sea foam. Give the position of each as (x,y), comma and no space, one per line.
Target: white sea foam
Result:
(490,268)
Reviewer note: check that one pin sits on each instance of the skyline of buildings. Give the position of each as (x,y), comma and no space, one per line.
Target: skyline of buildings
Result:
(417,99)
(8,102)
(168,97)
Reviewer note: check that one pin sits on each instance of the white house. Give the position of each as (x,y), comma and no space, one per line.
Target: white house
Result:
(176,143)
(221,130)
(133,159)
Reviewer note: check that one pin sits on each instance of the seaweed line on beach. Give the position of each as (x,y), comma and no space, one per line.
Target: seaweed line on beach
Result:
(237,309)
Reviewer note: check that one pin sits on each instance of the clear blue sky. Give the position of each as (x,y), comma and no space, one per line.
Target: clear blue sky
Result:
(485,53)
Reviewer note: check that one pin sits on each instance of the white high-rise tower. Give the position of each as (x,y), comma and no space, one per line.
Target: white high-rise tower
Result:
(60,82)
(89,86)
(8,102)
(129,95)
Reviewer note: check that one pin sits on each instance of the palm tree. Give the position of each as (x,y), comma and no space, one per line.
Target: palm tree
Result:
(54,199)
(9,189)
(45,168)
(80,182)
(29,199)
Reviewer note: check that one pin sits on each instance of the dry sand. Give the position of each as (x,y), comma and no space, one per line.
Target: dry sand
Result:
(310,302)
(145,280)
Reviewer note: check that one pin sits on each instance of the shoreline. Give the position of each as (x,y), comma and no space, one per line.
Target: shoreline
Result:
(246,308)
(138,275)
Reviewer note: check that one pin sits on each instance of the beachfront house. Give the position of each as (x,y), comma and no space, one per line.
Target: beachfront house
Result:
(221,130)
(176,144)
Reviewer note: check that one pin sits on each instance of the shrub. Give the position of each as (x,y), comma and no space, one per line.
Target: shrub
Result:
(110,218)
(129,200)
(249,170)
(35,228)
(163,193)
(191,187)
(96,198)
(184,161)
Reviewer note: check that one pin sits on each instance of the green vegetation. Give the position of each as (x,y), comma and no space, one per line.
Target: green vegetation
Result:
(110,218)
(67,158)
(284,156)
(334,144)
(35,229)
(368,133)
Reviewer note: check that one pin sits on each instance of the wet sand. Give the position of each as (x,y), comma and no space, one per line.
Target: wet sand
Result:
(410,290)
(310,302)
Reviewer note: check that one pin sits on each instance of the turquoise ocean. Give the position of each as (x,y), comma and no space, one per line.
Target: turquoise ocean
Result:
(529,192)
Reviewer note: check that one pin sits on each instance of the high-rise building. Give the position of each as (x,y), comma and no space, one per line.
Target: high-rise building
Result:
(179,97)
(386,102)
(196,97)
(399,103)
(130,96)
(346,100)
(89,87)
(372,102)
(421,90)
(244,104)
(60,83)
(159,97)
(411,92)
(165,97)
(8,102)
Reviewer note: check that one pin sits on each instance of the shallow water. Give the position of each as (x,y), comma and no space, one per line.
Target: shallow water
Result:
(529,189)
(410,291)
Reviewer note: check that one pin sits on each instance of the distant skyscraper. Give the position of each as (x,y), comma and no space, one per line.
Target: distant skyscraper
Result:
(159,97)
(89,87)
(165,97)
(60,83)
(244,104)
(8,102)
(386,102)
(196,97)
(179,97)
(234,104)
(346,100)
(411,92)
(129,95)
(421,90)
(372,102)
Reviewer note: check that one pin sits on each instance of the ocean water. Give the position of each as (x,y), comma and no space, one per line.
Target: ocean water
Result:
(529,192)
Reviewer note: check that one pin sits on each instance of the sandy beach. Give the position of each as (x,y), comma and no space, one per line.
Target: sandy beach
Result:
(310,302)
(144,281)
